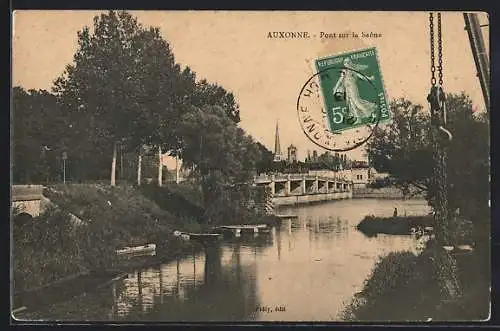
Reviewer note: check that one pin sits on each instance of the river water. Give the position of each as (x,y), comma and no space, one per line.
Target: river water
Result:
(307,269)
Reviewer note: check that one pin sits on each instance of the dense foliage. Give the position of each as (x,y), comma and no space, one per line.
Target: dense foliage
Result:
(124,95)
(403,148)
(38,122)
(404,287)
(123,90)
(57,244)
(221,153)
(41,256)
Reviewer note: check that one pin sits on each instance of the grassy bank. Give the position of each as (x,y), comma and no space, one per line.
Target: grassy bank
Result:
(51,246)
(184,201)
(372,225)
(404,287)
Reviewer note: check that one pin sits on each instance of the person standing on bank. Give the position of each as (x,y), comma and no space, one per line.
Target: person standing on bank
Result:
(395,212)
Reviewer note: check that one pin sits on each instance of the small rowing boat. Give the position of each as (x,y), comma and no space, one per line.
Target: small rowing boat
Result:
(286,216)
(199,236)
(243,226)
(149,249)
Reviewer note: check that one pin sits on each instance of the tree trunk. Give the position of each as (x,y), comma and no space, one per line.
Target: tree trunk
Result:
(177,169)
(160,167)
(139,169)
(113,166)
(121,163)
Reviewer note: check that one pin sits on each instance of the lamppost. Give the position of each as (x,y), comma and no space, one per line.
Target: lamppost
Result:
(64,158)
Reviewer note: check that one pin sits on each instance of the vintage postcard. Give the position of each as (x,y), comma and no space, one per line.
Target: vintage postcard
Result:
(250,166)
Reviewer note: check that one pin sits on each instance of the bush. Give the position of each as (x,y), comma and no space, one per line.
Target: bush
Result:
(405,287)
(237,205)
(380,183)
(173,199)
(45,249)
(390,273)
(461,231)
(371,225)
(124,212)
(49,247)
(397,290)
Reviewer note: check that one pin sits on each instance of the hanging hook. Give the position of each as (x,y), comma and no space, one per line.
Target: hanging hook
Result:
(436,98)
(448,133)
(441,127)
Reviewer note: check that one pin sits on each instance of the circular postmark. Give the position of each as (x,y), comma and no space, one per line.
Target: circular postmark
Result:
(326,109)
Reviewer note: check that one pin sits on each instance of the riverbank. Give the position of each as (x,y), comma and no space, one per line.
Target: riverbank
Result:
(257,267)
(405,287)
(384,193)
(51,247)
(91,280)
(296,200)
(400,225)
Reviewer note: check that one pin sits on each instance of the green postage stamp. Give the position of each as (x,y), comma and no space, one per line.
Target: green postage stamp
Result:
(352,89)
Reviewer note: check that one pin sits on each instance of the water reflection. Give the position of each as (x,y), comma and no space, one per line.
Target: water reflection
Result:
(183,290)
(213,266)
(311,266)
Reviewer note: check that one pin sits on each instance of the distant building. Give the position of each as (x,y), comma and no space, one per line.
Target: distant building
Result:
(292,154)
(277,148)
(315,156)
(375,175)
(360,172)
(308,157)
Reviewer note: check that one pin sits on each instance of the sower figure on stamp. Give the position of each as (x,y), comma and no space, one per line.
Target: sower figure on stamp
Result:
(346,89)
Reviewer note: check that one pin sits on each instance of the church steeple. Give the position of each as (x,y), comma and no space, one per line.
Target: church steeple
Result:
(277,149)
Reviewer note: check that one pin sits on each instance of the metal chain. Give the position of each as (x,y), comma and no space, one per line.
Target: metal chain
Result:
(440,52)
(445,263)
(433,68)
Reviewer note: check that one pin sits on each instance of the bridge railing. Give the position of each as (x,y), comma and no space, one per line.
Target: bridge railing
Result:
(281,177)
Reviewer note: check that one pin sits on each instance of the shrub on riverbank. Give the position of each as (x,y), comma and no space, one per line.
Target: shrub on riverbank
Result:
(123,211)
(404,287)
(51,246)
(46,248)
(235,205)
(181,201)
(372,225)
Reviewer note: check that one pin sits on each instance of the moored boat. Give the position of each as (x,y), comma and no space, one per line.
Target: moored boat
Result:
(148,249)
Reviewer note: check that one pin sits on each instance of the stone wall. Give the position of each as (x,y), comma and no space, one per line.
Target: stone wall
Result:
(382,193)
(304,199)
(27,199)
(261,200)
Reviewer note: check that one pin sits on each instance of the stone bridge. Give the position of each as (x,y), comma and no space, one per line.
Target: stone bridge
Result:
(27,198)
(304,188)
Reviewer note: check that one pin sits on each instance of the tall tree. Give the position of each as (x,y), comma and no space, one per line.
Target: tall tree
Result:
(403,148)
(223,155)
(209,94)
(265,161)
(39,135)
(124,85)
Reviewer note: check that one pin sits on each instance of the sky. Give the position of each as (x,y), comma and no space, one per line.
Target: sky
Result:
(265,74)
